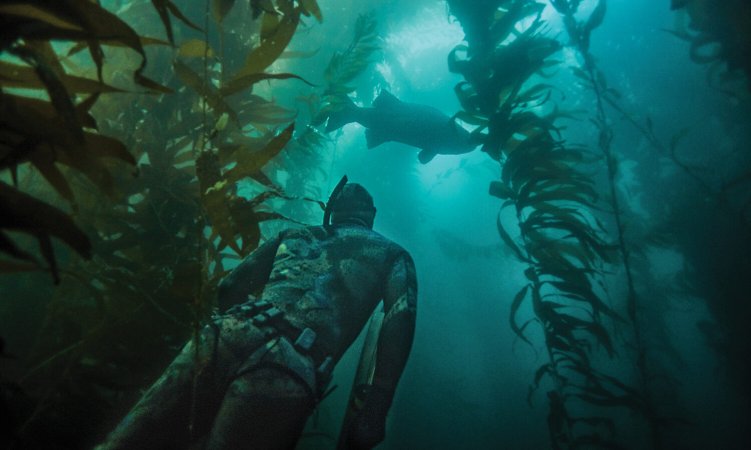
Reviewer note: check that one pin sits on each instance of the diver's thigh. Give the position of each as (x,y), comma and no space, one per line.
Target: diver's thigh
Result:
(157,421)
(263,409)
(181,397)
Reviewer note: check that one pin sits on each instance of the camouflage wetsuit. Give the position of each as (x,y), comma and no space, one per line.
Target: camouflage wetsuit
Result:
(254,386)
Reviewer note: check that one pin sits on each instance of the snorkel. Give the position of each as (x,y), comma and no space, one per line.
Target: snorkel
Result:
(334,194)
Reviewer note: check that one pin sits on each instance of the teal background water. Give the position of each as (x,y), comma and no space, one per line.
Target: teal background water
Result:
(467,382)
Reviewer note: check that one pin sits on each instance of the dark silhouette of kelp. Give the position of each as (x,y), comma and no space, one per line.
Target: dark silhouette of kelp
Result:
(591,77)
(555,233)
(157,242)
(719,35)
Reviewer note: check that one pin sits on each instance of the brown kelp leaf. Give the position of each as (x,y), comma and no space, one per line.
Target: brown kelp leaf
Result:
(44,48)
(311,7)
(148,83)
(269,25)
(257,110)
(38,14)
(8,247)
(220,8)
(107,147)
(45,163)
(244,82)
(500,190)
(16,76)
(177,13)
(250,163)
(272,46)
(508,240)
(504,23)
(10,266)
(247,223)
(195,48)
(83,109)
(261,6)
(597,16)
(54,142)
(210,95)
(23,115)
(216,203)
(144,41)
(101,24)
(22,122)
(22,212)
(59,96)
(48,252)
(208,170)
(515,304)
(79,158)
(162,8)
(97,24)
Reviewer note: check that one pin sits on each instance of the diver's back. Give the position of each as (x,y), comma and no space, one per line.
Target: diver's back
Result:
(330,280)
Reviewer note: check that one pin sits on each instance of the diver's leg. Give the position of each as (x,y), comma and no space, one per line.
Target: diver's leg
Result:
(158,421)
(161,418)
(264,409)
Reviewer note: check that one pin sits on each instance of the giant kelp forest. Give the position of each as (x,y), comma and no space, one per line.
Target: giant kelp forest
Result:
(147,146)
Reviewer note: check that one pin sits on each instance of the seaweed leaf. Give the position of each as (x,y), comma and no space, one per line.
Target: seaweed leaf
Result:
(59,96)
(505,22)
(508,240)
(220,8)
(598,15)
(195,48)
(22,212)
(515,304)
(15,76)
(114,43)
(244,82)
(311,7)
(163,8)
(344,67)
(54,142)
(100,24)
(275,36)
(204,89)
(39,14)
(249,164)
(500,190)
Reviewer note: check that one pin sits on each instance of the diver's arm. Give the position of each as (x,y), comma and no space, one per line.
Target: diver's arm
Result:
(397,331)
(249,277)
(368,428)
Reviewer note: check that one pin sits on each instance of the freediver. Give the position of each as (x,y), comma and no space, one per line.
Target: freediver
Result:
(295,305)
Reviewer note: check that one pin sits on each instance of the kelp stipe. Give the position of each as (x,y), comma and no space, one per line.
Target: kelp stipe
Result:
(732,198)
(555,234)
(579,33)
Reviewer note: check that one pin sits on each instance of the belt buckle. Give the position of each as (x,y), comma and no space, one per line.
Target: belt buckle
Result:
(306,339)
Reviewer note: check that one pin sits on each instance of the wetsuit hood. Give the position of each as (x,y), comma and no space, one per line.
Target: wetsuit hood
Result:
(350,203)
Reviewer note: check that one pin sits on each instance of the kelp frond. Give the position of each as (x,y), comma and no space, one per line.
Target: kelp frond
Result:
(159,241)
(547,215)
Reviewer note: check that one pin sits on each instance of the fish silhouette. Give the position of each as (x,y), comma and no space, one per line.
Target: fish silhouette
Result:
(421,126)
